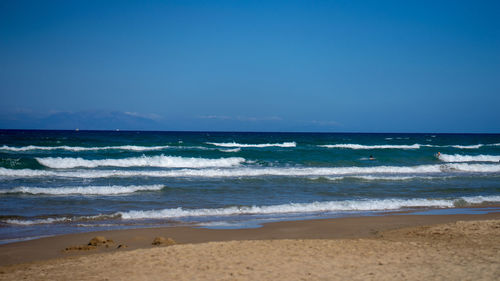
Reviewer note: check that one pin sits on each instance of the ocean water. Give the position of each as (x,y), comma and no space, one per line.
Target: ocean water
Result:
(55,182)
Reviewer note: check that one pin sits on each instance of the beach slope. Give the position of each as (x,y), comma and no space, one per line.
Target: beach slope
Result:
(460,250)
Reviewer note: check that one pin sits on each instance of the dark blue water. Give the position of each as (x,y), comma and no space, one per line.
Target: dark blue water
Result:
(55,182)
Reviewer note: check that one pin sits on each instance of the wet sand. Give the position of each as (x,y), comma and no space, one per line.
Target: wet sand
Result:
(393,247)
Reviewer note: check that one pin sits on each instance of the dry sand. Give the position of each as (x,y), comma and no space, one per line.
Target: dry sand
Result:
(392,248)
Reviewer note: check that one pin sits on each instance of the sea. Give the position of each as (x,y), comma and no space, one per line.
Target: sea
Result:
(59,182)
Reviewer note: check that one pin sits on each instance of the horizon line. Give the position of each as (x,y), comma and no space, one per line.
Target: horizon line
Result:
(246,132)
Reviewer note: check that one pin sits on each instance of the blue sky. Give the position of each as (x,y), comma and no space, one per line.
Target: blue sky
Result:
(333,66)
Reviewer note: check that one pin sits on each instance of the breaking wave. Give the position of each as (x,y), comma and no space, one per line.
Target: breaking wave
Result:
(314,207)
(378,178)
(37,221)
(234,144)
(475,146)
(231,150)
(360,146)
(61,219)
(83,190)
(388,178)
(469,158)
(81,148)
(330,206)
(258,171)
(403,146)
(144,161)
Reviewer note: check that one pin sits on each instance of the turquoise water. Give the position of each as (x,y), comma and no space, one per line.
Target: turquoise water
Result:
(54,182)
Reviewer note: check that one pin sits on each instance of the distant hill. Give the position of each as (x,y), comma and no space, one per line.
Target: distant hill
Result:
(84,120)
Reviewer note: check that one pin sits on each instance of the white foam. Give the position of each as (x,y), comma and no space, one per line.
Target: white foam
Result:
(83,190)
(395,178)
(360,146)
(248,172)
(193,148)
(231,150)
(81,148)
(234,144)
(481,199)
(381,178)
(327,178)
(371,178)
(37,221)
(259,171)
(314,207)
(476,146)
(469,158)
(60,219)
(26,173)
(144,161)
(459,146)
(475,168)
(330,206)
(235,172)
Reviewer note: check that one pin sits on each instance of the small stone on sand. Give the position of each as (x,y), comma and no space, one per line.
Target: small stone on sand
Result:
(162,241)
(100,241)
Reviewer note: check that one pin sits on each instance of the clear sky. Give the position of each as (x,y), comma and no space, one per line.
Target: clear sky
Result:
(334,66)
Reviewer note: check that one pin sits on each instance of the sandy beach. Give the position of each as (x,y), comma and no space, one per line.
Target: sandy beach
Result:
(249,140)
(394,247)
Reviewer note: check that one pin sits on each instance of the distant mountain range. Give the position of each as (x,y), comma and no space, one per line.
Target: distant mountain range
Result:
(83,120)
(119,120)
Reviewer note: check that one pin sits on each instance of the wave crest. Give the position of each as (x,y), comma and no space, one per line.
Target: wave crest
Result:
(144,161)
(59,219)
(242,145)
(257,171)
(469,158)
(314,207)
(330,206)
(474,146)
(83,190)
(360,146)
(81,148)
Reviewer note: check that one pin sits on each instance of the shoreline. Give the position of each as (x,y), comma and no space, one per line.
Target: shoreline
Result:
(365,227)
